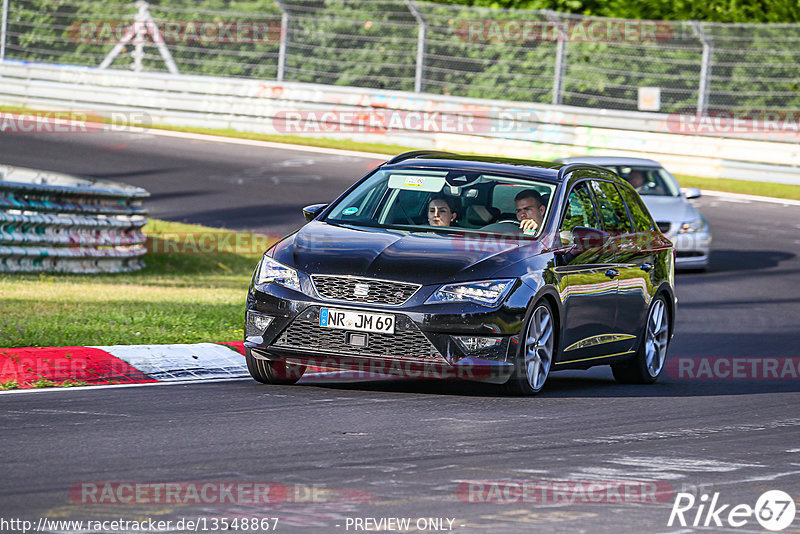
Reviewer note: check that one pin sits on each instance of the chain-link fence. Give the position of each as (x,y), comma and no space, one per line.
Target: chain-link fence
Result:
(528,56)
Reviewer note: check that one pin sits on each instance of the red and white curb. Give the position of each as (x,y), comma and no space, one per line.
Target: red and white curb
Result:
(120,364)
(36,367)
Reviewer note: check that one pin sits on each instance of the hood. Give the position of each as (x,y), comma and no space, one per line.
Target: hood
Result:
(417,257)
(672,209)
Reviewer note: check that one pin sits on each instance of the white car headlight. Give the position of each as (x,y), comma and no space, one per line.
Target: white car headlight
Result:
(695,225)
(272,271)
(485,292)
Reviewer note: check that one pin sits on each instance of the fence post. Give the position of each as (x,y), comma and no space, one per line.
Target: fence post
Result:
(705,67)
(282,48)
(142,26)
(560,67)
(3,26)
(419,73)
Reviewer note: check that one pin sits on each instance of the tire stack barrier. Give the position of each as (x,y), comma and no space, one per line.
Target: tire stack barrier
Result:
(52,222)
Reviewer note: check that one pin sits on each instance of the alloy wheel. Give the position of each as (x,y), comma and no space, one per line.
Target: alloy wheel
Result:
(656,338)
(539,345)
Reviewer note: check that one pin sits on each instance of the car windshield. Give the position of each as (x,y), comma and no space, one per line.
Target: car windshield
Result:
(444,200)
(655,181)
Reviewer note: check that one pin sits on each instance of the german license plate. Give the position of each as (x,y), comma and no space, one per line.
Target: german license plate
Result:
(356,321)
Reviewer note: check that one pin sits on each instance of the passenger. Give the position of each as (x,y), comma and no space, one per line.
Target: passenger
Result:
(530,210)
(636,179)
(442,211)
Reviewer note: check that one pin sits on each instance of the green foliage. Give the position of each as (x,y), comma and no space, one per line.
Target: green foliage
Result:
(710,11)
(374,44)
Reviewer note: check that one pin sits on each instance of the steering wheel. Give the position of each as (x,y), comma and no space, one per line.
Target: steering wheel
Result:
(506,225)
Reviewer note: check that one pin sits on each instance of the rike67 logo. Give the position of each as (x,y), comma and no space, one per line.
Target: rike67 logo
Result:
(774,510)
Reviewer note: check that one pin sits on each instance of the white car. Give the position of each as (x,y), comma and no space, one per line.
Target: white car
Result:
(676,217)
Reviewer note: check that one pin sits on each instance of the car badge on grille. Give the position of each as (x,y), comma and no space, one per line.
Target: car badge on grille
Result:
(361,290)
(399,295)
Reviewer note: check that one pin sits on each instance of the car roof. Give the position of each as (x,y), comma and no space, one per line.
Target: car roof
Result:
(524,168)
(605,161)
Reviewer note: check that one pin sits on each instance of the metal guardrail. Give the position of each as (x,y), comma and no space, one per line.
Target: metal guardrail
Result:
(534,131)
(514,54)
(52,222)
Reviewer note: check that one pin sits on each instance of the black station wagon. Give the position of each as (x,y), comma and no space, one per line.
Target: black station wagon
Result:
(480,268)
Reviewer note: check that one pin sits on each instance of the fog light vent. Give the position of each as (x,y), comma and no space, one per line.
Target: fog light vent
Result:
(471,344)
(256,323)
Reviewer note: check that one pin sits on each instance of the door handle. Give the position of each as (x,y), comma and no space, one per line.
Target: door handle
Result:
(646,267)
(612,273)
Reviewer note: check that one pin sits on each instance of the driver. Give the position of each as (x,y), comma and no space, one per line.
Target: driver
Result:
(530,210)
(636,179)
(442,211)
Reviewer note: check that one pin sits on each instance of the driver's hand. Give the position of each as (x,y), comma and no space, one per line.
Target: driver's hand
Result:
(528,225)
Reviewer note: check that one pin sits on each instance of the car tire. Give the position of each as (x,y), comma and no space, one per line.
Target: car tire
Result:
(537,351)
(647,365)
(278,372)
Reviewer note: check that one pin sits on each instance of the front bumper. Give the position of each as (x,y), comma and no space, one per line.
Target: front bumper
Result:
(692,250)
(423,344)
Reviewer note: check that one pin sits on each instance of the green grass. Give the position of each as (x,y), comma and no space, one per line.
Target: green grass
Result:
(177,298)
(765,189)
(714,184)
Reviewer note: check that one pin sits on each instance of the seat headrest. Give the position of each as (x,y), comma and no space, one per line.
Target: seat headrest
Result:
(481,215)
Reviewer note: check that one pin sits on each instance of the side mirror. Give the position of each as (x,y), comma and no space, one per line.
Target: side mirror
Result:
(585,238)
(310,212)
(692,192)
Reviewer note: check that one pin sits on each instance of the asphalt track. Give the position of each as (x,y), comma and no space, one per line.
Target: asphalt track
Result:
(406,448)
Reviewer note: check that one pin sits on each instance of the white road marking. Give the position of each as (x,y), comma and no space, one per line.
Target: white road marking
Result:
(268,144)
(733,197)
(612,474)
(276,179)
(733,201)
(119,386)
(297,162)
(62,412)
(688,465)
(688,432)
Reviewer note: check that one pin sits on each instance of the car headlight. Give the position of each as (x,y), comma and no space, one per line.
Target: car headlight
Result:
(273,271)
(695,225)
(485,292)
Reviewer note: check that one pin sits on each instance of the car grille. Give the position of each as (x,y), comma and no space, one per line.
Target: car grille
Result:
(408,342)
(363,289)
(664,226)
